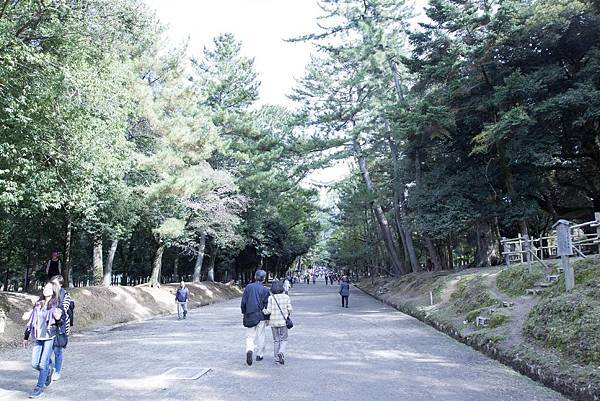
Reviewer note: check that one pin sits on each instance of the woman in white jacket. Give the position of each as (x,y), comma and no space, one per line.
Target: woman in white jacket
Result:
(279,308)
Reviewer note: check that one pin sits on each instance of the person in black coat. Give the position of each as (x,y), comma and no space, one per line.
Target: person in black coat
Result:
(254,300)
(345,291)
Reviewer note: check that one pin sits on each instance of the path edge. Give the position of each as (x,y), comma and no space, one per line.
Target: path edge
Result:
(508,358)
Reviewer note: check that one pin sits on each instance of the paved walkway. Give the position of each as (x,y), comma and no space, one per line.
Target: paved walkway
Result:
(366,352)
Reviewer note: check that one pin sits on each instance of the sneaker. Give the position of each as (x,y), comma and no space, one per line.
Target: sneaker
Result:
(249,358)
(49,377)
(281,358)
(259,358)
(36,393)
(55,376)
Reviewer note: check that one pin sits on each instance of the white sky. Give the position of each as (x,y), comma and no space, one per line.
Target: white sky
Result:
(262,26)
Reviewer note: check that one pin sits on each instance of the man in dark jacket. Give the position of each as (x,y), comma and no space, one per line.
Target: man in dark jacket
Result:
(254,300)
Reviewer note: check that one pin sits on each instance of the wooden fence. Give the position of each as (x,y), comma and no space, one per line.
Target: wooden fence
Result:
(566,240)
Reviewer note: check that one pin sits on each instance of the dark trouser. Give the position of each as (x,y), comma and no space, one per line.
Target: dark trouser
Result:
(344,301)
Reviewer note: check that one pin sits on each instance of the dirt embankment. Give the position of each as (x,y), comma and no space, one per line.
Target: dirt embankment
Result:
(104,306)
(553,337)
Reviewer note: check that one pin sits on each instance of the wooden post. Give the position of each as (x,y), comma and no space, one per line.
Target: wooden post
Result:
(528,251)
(506,251)
(564,249)
(520,248)
(597,218)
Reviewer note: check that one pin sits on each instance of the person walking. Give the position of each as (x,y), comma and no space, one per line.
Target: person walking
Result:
(42,326)
(314,278)
(254,300)
(66,306)
(279,308)
(345,291)
(286,286)
(53,266)
(181,297)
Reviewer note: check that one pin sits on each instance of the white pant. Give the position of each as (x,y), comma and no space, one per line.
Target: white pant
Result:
(255,338)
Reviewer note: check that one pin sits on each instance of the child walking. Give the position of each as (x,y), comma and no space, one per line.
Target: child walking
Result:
(42,326)
(279,308)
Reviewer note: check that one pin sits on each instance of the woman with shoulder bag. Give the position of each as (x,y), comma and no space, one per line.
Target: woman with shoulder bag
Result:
(42,326)
(279,308)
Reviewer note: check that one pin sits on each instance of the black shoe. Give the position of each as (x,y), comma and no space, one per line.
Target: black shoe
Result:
(36,393)
(281,358)
(50,373)
(259,358)
(249,358)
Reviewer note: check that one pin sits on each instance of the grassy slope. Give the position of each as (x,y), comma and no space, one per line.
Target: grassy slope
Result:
(104,306)
(557,330)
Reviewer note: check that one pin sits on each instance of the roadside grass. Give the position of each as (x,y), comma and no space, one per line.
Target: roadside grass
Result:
(516,279)
(570,322)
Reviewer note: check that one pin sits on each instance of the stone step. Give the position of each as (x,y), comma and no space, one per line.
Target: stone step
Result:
(544,284)
(560,270)
(552,278)
(534,291)
(481,321)
(507,304)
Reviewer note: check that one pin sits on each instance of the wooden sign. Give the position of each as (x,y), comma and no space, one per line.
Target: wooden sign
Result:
(564,245)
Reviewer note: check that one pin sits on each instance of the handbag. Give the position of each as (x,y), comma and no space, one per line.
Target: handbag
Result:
(61,340)
(288,321)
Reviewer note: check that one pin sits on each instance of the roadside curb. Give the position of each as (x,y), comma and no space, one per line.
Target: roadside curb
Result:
(564,385)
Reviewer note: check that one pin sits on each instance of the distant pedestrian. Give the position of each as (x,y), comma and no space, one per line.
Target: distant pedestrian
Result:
(345,291)
(66,306)
(279,308)
(326,279)
(42,326)
(181,297)
(314,277)
(286,286)
(254,300)
(53,266)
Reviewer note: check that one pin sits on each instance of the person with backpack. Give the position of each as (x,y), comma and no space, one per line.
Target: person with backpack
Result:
(279,309)
(254,301)
(181,297)
(345,291)
(45,319)
(66,306)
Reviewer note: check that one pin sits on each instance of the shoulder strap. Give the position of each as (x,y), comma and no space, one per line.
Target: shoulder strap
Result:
(275,299)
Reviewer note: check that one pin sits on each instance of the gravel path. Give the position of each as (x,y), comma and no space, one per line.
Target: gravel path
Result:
(366,352)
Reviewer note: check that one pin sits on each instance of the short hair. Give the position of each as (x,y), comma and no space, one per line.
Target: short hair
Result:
(277,287)
(58,278)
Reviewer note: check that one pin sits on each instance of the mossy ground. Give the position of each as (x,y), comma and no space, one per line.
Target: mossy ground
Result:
(515,281)
(570,321)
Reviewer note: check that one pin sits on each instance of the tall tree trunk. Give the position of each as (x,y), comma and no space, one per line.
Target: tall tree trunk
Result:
(176,268)
(107,278)
(200,257)
(97,260)
(397,265)
(488,250)
(509,182)
(210,274)
(429,245)
(66,273)
(157,266)
(399,211)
